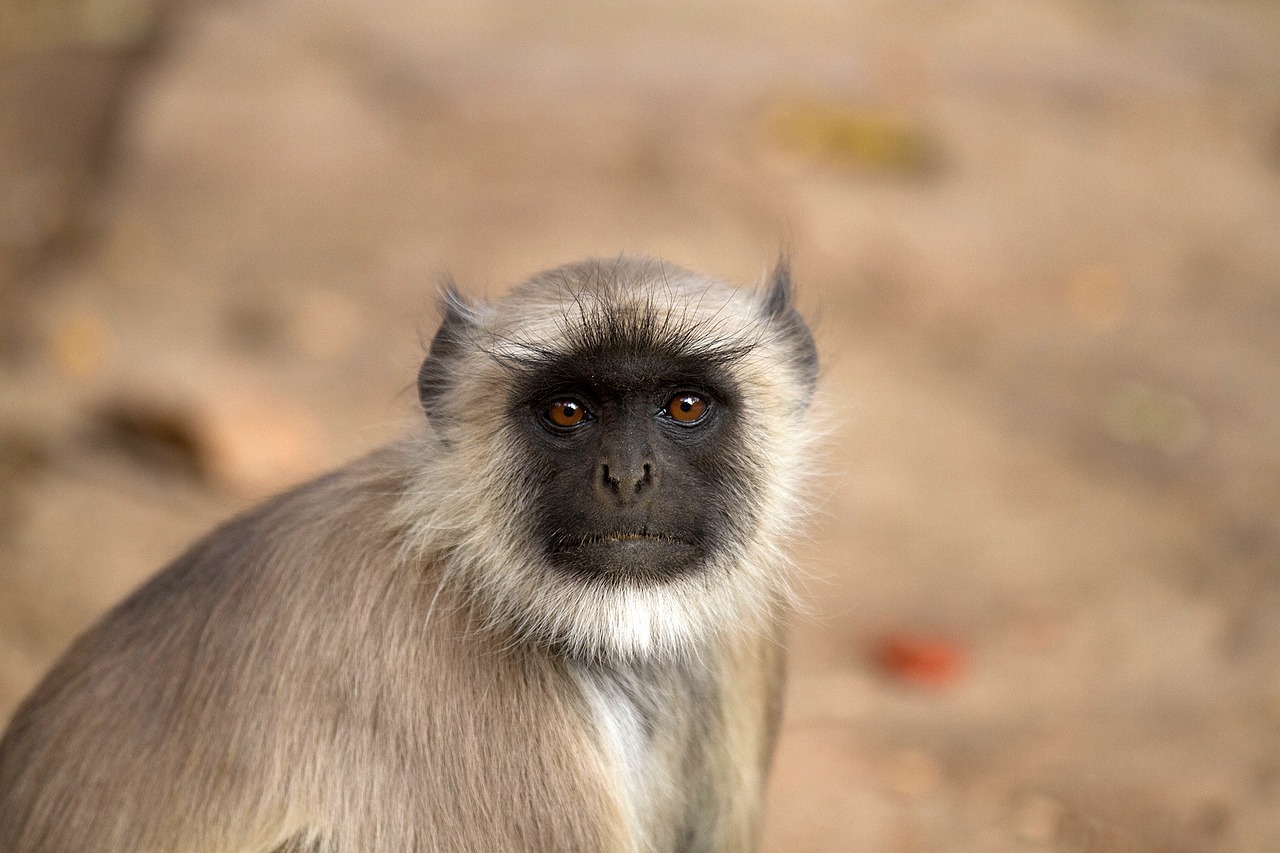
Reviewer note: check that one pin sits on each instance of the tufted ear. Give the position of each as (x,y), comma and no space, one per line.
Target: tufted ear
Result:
(458,328)
(777,296)
(778,303)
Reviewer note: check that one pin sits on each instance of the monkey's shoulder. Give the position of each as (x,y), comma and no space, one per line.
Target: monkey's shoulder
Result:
(181,665)
(257,570)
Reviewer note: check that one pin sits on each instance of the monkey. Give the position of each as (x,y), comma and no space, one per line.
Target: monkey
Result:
(550,618)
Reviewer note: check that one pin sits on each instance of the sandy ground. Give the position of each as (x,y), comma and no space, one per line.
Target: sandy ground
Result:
(1042,247)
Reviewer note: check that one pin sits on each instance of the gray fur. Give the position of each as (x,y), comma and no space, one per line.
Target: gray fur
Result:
(375,661)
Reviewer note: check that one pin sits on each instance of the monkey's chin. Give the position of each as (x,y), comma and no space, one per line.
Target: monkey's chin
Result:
(630,558)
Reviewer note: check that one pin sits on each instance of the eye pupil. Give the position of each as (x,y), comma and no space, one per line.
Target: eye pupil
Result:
(566,413)
(687,408)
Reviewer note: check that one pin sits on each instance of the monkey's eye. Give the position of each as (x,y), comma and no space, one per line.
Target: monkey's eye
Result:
(566,413)
(686,408)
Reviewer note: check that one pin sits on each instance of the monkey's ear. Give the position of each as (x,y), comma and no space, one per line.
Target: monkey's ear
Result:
(778,302)
(779,307)
(458,327)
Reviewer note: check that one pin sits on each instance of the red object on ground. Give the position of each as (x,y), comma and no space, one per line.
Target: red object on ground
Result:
(920,660)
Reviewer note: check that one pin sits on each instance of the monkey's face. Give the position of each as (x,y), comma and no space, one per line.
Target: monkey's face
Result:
(618,447)
(631,468)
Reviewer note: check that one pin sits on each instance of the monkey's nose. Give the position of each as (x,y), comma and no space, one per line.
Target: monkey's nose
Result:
(625,483)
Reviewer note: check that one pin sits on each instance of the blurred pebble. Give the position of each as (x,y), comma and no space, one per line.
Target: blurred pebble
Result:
(259,444)
(920,660)
(80,344)
(327,326)
(1097,297)
(1036,818)
(845,136)
(240,440)
(913,775)
(1143,416)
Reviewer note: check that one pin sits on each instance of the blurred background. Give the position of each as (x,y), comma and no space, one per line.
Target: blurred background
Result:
(1040,240)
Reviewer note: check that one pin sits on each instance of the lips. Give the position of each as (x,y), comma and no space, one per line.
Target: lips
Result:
(631,556)
(608,538)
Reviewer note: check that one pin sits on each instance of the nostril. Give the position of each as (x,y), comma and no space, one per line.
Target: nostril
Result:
(625,480)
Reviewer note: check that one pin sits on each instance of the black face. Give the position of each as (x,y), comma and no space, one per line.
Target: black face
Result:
(634,473)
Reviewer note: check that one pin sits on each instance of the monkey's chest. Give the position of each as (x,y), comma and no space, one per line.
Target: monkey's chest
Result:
(658,744)
(626,739)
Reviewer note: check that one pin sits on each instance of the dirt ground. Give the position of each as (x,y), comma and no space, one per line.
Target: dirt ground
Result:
(1041,242)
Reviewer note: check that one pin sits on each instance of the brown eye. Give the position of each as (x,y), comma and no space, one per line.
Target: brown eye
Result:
(566,413)
(686,408)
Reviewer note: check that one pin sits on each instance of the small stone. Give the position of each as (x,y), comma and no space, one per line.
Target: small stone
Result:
(844,135)
(241,440)
(920,660)
(254,444)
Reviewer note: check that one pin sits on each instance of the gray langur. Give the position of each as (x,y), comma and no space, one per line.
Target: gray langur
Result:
(549,620)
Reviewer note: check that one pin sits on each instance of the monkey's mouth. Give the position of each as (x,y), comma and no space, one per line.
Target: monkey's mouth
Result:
(628,554)
(607,538)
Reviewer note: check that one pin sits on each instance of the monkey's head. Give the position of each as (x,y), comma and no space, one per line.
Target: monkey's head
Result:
(615,453)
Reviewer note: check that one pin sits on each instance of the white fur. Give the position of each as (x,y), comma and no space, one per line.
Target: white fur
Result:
(626,748)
